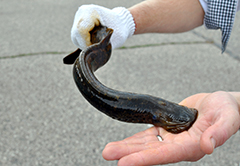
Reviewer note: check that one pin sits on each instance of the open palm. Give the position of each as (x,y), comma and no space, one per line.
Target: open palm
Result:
(217,121)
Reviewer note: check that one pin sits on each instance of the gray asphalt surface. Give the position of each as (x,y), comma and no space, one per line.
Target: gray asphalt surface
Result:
(44,120)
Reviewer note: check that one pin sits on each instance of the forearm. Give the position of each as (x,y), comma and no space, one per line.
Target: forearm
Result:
(167,16)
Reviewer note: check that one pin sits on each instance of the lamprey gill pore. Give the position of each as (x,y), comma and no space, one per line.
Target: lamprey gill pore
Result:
(123,106)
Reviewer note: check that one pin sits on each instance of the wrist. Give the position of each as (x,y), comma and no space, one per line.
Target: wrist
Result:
(236,95)
(122,24)
(126,18)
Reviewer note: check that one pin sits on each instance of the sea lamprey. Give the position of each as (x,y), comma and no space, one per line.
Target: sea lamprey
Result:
(123,106)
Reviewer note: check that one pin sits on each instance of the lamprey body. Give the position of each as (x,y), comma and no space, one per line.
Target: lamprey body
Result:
(123,106)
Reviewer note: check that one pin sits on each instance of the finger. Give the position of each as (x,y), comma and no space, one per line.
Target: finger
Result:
(219,132)
(160,154)
(138,138)
(117,151)
(139,142)
(135,143)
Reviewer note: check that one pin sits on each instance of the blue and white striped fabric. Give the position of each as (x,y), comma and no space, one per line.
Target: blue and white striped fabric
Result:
(220,14)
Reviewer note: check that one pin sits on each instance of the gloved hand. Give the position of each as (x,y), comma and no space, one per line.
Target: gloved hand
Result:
(89,16)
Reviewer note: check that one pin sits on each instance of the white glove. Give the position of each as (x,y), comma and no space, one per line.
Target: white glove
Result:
(89,16)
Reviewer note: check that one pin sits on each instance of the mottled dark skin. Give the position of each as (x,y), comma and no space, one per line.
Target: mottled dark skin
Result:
(123,106)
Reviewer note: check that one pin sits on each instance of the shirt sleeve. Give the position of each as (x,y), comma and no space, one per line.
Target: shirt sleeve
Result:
(220,15)
(238,5)
(204,5)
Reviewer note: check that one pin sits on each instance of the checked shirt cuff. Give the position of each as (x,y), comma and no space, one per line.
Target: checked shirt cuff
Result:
(220,14)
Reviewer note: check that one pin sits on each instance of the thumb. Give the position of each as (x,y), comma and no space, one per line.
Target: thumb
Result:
(223,124)
(215,136)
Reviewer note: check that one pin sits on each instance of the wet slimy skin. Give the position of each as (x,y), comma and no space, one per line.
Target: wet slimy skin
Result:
(123,106)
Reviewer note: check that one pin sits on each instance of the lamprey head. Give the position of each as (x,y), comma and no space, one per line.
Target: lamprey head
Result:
(98,54)
(98,33)
(175,118)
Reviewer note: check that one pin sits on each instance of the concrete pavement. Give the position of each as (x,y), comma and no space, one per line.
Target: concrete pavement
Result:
(44,120)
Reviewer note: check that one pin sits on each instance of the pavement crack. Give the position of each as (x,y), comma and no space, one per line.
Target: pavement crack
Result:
(123,47)
(168,43)
(31,54)
(232,55)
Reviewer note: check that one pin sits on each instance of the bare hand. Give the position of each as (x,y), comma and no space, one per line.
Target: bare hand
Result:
(217,121)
